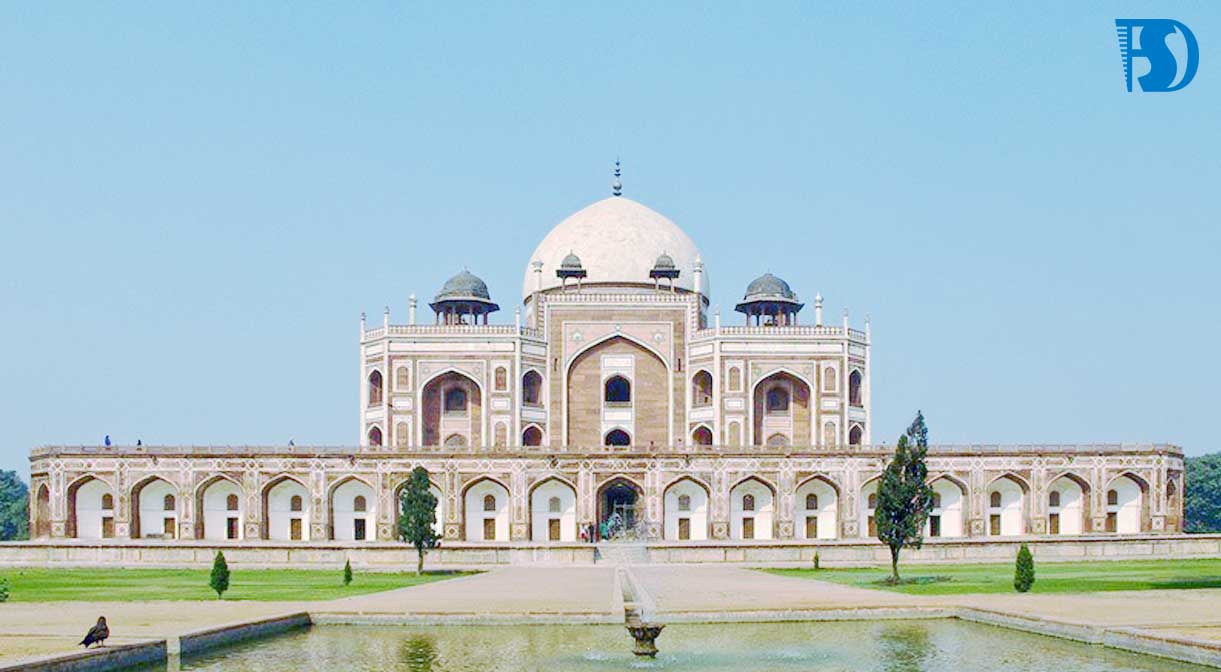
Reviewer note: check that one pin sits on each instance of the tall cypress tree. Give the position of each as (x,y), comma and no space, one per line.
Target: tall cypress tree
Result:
(418,514)
(219,580)
(904,495)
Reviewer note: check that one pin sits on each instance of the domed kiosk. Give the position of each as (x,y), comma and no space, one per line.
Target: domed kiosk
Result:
(463,297)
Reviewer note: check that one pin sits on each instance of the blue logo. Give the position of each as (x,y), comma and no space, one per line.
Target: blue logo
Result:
(1146,38)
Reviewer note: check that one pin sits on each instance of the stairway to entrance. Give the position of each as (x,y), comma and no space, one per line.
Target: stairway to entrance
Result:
(621,553)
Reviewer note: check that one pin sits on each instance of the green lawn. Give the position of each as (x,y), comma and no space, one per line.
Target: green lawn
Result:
(127,585)
(1063,577)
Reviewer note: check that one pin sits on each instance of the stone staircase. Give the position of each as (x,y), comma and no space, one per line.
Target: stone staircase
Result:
(621,553)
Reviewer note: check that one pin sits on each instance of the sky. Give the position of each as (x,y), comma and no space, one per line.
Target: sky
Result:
(197,200)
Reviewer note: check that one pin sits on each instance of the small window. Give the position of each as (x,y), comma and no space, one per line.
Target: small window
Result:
(618,437)
(231,502)
(872,502)
(489,502)
(811,502)
(777,400)
(854,435)
(107,502)
(532,388)
(748,502)
(168,503)
(402,379)
(684,502)
(936,500)
(553,505)
(618,390)
(735,379)
(1053,499)
(375,436)
(455,400)
(854,388)
(375,388)
(994,499)
(702,436)
(532,436)
(1112,498)
(294,504)
(502,379)
(359,504)
(1172,492)
(701,389)
(828,379)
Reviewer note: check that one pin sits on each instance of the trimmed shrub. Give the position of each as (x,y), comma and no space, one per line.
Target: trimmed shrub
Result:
(1023,573)
(219,580)
(347,572)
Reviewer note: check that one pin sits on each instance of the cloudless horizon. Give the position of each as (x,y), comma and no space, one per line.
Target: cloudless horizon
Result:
(198,201)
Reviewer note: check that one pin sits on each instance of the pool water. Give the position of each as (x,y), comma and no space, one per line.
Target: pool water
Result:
(864,646)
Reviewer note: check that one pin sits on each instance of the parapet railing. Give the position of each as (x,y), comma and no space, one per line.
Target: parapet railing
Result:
(789,331)
(685,450)
(452,329)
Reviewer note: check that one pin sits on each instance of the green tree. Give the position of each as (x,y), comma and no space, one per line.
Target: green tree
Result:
(904,495)
(1202,499)
(14,507)
(347,573)
(1023,572)
(219,580)
(418,514)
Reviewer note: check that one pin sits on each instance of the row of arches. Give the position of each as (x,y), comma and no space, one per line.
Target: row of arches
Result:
(452,400)
(288,512)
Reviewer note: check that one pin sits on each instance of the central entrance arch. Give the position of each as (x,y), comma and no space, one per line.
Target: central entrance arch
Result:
(620,508)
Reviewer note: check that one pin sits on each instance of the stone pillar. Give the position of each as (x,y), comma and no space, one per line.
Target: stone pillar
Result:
(453,512)
(784,502)
(978,510)
(519,504)
(718,508)
(253,510)
(587,509)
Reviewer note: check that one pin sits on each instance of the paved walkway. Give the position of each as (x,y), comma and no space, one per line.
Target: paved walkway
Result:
(593,593)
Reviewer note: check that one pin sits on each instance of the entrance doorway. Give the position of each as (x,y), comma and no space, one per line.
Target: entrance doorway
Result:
(619,512)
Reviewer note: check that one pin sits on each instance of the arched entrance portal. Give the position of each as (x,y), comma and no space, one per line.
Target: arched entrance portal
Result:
(620,510)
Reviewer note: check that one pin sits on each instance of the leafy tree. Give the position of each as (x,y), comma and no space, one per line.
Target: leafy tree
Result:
(220,575)
(14,507)
(347,572)
(1023,573)
(418,514)
(1202,499)
(904,495)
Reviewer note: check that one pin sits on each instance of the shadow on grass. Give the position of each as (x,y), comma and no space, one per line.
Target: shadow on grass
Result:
(913,581)
(1187,584)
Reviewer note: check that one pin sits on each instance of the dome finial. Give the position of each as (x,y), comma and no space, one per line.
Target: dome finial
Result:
(617,186)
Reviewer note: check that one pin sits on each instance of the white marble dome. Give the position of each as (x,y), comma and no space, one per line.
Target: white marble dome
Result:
(618,240)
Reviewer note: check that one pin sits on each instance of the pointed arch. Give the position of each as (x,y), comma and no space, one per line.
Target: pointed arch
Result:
(701,435)
(701,388)
(780,402)
(553,509)
(211,520)
(752,505)
(1067,497)
(617,436)
(432,396)
(685,506)
(347,521)
(481,522)
(443,505)
(816,508)
(150,517)
(40,510)
(585,398)
(87,517)
(1006,504)
(1126,503)
(280,521)
(619,492)
(948,515)
(532,435)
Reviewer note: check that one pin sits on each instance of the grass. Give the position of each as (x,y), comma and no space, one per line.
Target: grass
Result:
(130,585)
(1063,577)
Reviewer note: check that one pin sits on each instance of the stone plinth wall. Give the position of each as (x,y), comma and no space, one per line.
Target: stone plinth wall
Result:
(399,557)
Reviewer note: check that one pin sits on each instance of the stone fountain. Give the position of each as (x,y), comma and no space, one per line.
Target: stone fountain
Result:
(645,635)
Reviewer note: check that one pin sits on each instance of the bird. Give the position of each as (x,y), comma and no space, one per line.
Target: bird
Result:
(97,634)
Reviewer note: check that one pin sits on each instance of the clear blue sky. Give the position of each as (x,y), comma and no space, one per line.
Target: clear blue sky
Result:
(197,201)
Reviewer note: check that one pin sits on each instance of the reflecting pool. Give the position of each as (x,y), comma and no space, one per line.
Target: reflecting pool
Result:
(882,646)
